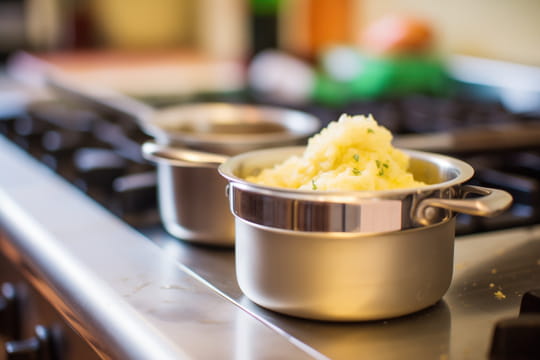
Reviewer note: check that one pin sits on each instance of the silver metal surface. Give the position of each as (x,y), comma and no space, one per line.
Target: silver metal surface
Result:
(124,295)
(344,276)
(491,202)
(193,206)
(230,129)
(191,193)
(177,156)
(355,211)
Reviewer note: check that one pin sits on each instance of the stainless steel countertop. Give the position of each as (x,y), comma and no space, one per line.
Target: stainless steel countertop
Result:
(142,295)
(126,296)
(458,327)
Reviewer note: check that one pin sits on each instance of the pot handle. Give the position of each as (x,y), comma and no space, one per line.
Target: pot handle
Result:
(491,202)
(177,156)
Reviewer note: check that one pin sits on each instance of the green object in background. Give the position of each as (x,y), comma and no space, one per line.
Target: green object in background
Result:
(424,75)
(375,80)
(264,7)
(330,92)
(384,78)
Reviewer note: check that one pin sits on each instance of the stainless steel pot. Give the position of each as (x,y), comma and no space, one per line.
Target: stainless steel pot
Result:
(191,141)
(191,199)
(348,256)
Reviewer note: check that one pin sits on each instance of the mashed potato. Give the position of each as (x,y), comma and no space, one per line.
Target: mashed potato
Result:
(353,153)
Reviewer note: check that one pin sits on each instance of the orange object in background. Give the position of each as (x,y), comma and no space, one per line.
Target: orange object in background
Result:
(395,34)
(309,27)
(329,24)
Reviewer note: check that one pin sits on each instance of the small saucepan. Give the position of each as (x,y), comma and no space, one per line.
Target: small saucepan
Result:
(350,255)
(192,140)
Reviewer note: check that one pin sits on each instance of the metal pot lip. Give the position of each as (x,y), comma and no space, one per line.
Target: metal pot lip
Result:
(297,125)
(287,233)
(180,157)
(229,167)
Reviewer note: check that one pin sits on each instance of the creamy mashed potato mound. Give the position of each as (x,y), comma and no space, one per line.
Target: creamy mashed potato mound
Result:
(353,153)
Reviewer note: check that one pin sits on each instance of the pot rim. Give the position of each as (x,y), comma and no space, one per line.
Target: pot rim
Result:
(297,124)
(230,166)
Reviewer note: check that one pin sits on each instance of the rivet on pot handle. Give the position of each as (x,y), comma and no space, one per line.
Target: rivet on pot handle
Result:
(180,156)
(490,203)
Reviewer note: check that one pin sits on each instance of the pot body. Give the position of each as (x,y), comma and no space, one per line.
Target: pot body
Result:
(193,205)
(344,276)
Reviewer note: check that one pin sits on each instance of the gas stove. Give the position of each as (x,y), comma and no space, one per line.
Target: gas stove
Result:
(99,152)
(83,162)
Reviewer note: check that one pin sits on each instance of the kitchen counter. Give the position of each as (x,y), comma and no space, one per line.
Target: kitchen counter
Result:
(144,295)
(126,296)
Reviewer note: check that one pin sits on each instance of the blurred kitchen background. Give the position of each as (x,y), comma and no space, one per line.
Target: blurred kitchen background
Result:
(323,45)
(458,77)
(504,30)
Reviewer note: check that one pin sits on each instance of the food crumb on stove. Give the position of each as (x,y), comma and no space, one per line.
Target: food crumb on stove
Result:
(493,271)
(491,285)
(499,295)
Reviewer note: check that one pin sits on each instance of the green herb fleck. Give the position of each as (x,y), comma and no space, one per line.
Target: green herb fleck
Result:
(313,185)
(381,172)
(385,165)
(355,171)
(356,157)
(370,131)
(378,163)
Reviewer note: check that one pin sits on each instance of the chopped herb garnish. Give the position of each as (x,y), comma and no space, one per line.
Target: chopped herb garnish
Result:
(356,157)
(355,171)
(378,163)
(381,172)
(385,165)
(370,131)
(313,185)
